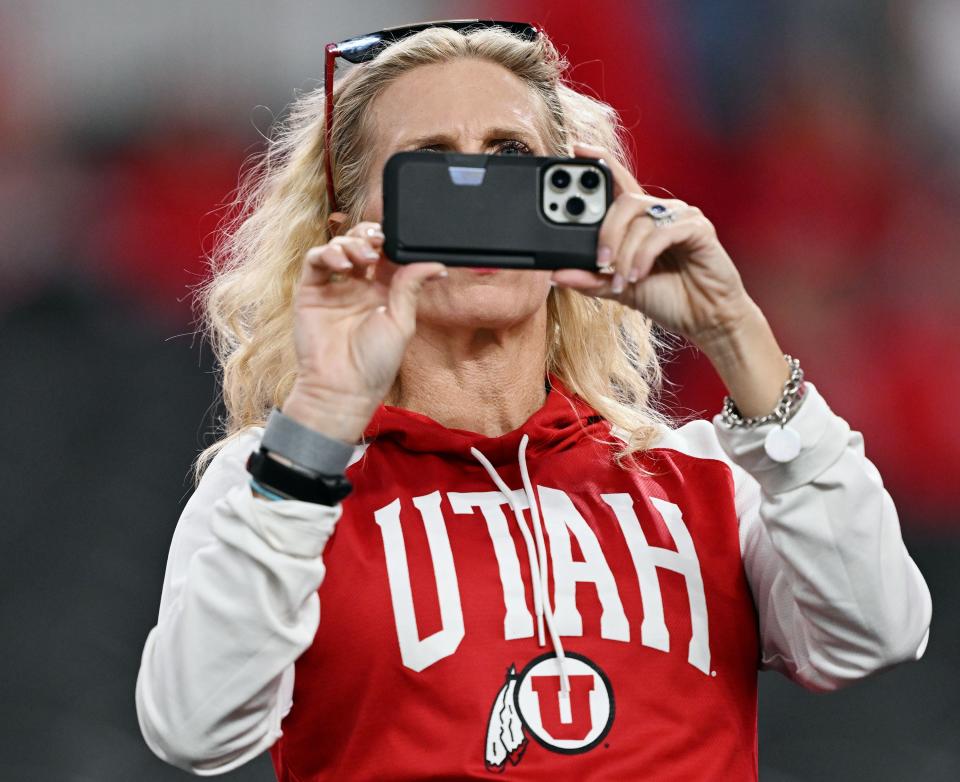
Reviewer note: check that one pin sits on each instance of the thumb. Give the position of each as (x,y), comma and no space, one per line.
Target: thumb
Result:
(405,287)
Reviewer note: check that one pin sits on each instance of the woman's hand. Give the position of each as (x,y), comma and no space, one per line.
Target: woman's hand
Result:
(678,273)
(350,332)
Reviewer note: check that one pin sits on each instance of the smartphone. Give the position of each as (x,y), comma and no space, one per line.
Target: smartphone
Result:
(502,211)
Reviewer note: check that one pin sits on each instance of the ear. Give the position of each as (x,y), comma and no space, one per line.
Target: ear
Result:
(337,223)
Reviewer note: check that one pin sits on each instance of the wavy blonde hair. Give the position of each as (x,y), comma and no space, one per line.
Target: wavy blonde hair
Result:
(603,351)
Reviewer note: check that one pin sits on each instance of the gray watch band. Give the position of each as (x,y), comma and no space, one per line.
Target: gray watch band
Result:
(305,447)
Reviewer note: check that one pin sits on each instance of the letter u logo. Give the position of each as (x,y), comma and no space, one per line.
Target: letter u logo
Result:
(566,719)
(566,725)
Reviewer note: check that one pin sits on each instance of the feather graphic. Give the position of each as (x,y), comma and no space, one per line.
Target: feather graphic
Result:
(505,739)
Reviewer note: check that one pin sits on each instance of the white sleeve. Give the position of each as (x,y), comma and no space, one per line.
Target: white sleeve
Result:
(239,606)
(837,593)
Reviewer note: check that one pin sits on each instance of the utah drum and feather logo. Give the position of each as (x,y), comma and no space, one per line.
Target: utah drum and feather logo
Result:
(531,703)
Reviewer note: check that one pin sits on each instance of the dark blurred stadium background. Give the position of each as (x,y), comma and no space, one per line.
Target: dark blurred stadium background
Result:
(820,136)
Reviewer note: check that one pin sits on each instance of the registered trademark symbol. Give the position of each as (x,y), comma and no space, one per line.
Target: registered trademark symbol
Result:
(713,673)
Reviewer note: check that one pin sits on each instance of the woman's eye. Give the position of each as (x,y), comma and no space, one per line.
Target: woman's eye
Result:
(512,147)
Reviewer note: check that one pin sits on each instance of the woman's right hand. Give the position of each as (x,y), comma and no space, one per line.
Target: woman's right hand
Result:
(350,334)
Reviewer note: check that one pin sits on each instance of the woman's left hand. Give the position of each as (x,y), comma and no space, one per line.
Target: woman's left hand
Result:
(677,273)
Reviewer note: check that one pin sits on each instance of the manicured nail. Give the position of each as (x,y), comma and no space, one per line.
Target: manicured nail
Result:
(634,275)
(604,256)
(617,283)
(375,233)
(371,254)
(342,263)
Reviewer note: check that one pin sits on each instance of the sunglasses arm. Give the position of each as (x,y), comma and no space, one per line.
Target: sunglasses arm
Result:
(330,57)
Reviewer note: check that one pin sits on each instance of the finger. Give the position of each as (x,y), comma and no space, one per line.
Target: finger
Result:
(637,233)
(360,251)
(640,248)
(622,212)
(588,283)
(692,231)
(372,232)
(405,287)
(321,262)
(578,279)
(653,250)
(623,180)
(633,264)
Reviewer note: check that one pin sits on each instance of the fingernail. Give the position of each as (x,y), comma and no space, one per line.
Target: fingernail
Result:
(343,263)
(375,233)
(553,283)
(603,256)
(444,273)
(371,254)
(634,275)
(617,283)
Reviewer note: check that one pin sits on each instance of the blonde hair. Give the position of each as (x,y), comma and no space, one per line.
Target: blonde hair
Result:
(603,351)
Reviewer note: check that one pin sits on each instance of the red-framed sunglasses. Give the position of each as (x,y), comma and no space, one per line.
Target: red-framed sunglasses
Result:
(364,48)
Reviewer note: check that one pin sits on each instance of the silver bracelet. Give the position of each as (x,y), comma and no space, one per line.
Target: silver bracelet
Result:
(787,404)
(782,443)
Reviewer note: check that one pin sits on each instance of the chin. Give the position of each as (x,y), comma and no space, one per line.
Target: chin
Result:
(480,305)
(470,299)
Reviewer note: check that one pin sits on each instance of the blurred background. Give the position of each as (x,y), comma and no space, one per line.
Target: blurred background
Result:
(821,137)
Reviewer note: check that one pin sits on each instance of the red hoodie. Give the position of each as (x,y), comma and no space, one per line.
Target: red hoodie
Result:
(437,651)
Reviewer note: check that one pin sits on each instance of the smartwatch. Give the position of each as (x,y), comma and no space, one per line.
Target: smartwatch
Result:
(294,484)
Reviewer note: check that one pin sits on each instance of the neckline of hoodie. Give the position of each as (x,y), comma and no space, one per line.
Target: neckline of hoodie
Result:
(561,420)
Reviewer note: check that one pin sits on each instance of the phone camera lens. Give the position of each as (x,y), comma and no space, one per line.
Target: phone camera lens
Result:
(589,180)
(560,179)
(575,206)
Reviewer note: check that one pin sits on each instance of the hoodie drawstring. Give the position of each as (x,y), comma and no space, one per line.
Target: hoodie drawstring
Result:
(525,531)
(537,555)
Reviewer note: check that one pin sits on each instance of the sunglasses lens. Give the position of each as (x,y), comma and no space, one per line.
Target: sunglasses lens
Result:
(360,49)
(366,47)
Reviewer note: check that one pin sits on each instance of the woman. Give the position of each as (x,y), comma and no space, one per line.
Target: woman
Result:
(607,624)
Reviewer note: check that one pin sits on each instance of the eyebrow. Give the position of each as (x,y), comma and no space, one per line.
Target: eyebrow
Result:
(492,134)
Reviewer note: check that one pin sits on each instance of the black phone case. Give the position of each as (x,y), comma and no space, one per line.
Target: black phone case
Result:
(480,210)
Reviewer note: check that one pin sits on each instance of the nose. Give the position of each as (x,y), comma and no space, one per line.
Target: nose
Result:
(466,143)
(470,147)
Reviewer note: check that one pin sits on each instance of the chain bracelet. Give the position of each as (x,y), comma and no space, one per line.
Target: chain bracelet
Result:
(793,391)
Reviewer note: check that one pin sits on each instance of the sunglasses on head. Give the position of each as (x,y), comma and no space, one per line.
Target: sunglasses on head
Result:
(364,48)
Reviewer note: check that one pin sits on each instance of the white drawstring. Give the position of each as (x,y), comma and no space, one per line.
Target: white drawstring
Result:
(538,556)
(525,531)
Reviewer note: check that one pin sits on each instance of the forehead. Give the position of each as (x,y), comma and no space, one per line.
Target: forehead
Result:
(463,97)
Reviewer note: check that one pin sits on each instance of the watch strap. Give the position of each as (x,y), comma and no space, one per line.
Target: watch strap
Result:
(293,484)
(303,446)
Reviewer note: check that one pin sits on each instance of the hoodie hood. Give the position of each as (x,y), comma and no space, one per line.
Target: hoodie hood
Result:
(558,425)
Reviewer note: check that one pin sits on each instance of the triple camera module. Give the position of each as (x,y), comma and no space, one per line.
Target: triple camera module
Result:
(575,193)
